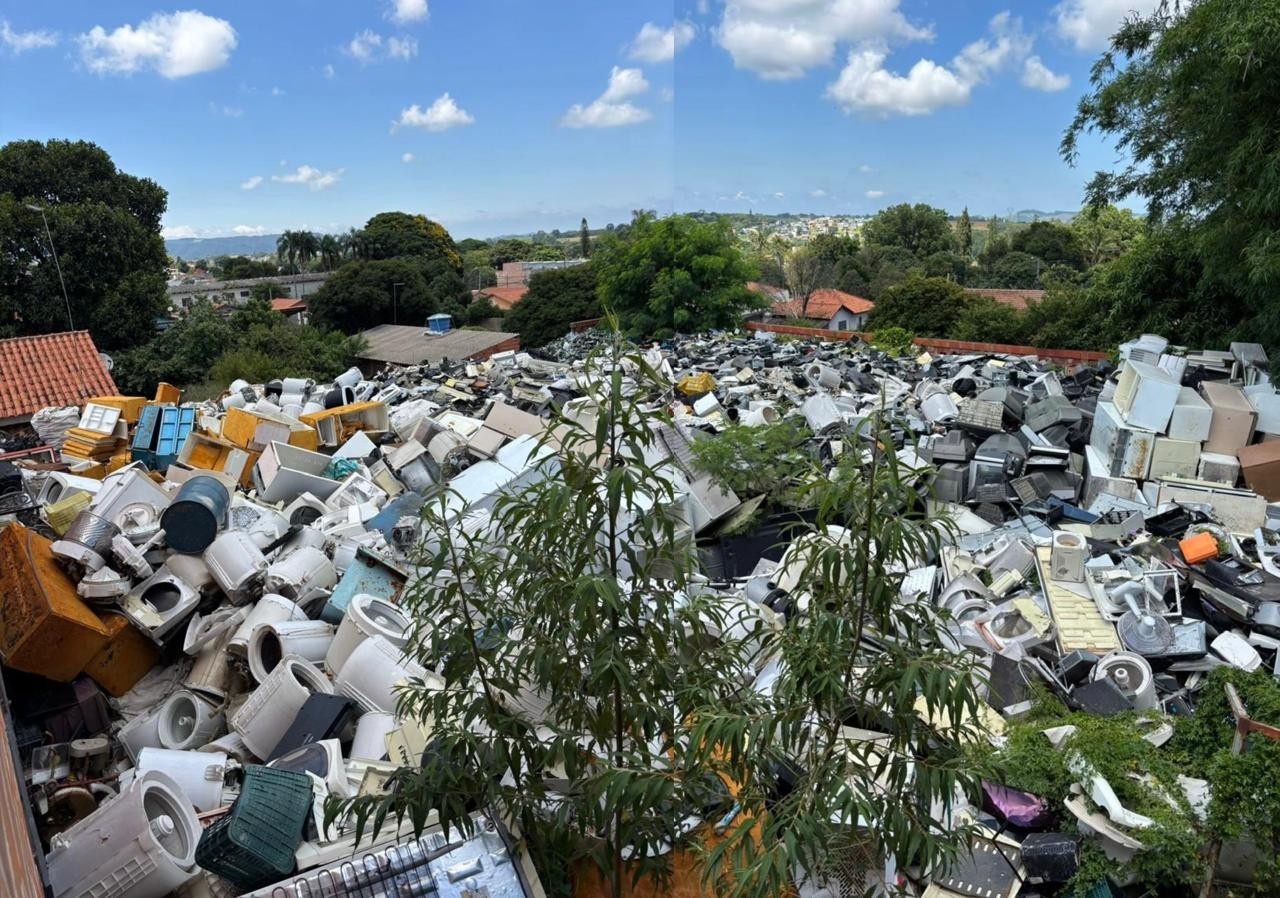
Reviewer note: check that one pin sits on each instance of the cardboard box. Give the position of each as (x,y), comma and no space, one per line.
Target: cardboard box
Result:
(1191,417)
(1174,458)
(1126,450)
(1146,395)
(1233,417)
(1260,465)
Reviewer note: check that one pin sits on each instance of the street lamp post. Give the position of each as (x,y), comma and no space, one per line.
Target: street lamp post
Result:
(395,308)
(56,264)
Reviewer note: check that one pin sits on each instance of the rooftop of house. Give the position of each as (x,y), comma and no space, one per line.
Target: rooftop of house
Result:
(50,370)
(287,305)
(1014,299)
(406,345)
(822,305)
(503,298)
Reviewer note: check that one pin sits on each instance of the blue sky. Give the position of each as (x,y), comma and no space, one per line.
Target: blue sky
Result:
(496,116)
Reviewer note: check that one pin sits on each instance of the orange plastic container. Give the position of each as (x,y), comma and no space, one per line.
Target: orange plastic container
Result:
(1198,548)
(45,628)
(124,660)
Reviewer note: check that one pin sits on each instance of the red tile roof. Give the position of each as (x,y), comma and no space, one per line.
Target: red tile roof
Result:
(1014,299)
(823,305)
(288,305)
(503,298)
(776,293)
(50,370)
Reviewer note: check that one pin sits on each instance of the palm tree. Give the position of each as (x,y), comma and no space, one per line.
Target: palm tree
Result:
(287,250)
(308,245)
(330,252)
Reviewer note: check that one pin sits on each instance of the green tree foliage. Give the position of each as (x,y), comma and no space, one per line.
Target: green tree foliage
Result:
(964,234)
(361,295)
(106,232)
(296,249)
(234,268)
(920,229)
(1051,242)
(832,248)
(1016,270)
(807,271)
(477,268)
(753,461)
(556,299)
(928,307)
(254,343)
(985,320)
(675,274)
(1105,232)
(391,235)
(882,267)
(946,264)
(1188,95)
(584,241)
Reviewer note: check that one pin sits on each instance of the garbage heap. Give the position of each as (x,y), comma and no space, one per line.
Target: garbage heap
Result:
(201,637)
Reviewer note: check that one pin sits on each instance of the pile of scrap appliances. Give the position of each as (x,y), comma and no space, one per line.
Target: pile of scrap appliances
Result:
(201,635)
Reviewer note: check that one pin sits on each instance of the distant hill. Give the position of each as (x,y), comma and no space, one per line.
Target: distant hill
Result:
(1026,216)
(211,247)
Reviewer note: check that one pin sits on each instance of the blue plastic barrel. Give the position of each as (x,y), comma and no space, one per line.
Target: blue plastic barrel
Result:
(196,515)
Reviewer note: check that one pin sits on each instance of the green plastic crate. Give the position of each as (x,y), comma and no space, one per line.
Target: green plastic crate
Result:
(254,844)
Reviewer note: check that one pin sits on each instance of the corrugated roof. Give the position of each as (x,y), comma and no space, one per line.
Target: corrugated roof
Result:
(405,345)
(50,370)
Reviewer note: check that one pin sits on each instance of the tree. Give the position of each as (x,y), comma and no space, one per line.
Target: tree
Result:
(673,275)
(360,295)
(477,271)
(509,249)
(985,320)
(1105,232)
(182,354)
(965,233)
(920,229)
(307,247)
(1051,242)
(1187,94)
(105,227)
(330,252)
(949,265)
(233,268)
(928,307)
(1015,270)
(584,240)
(806,272)
(556,299)
(571,654)
(390,235)
(832,248)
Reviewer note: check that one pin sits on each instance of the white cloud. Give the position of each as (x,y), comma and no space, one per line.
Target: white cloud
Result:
(441,115)
(249,230)
(657,44)
(228,111)
(406,157)
(817,194)
(874,194)
(251,183)
(22,41)
(177,232)
(780,195)
(278,91)
(866,86)
(314,178)
(403,12)
(782,39)
(1037,76)
(173,44)
(1089,24)
(865,169)
(364,46)
(611,109)
(402,47)
(328,70)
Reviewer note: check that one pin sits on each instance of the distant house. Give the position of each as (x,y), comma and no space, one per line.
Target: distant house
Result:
(49,370)
(237,293)
(517,274)
(834,309)
(1014,299)
(293,309)
(503,298)
(401,344)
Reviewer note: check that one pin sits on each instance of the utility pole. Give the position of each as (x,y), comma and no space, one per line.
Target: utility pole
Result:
(56,264)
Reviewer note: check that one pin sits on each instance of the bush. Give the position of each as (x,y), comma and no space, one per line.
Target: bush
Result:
(893,340)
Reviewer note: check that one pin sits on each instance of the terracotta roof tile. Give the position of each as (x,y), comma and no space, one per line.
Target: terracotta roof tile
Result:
(287,304)
(1014,299)
(504,298)
(50,370)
